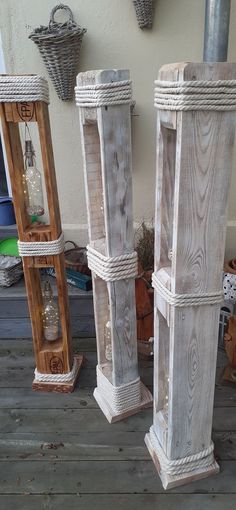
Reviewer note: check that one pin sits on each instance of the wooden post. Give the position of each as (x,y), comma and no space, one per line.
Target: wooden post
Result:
(106,143)
(194,162)
(51,357)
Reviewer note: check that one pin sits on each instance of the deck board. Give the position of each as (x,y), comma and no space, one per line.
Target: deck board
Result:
(58,451)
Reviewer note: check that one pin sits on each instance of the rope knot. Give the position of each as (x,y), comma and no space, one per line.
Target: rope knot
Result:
(17,89)
(40,249)
(103,94)
(112,268)
(181,300)
(218,95)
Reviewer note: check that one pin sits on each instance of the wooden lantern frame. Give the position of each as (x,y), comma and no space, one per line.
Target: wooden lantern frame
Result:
(51,357)
(194,163)
(106,143)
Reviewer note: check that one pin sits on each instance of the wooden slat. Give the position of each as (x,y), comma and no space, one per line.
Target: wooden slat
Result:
(96,477)
(119,502)
(20,327)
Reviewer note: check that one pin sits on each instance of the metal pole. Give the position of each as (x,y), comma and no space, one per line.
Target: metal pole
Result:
(217,15)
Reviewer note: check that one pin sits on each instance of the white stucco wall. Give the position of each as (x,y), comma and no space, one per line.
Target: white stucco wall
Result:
(113,40)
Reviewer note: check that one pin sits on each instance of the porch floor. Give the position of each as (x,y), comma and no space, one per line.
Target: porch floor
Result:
(58,451)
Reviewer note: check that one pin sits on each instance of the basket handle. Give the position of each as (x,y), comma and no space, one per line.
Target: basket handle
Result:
(61,7)
(72,242)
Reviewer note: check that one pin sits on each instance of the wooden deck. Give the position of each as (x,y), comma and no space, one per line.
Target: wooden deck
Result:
(58,451)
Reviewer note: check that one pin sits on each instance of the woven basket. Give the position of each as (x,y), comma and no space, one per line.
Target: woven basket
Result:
(144,12)
(59,45)
(76,258)
(11,270)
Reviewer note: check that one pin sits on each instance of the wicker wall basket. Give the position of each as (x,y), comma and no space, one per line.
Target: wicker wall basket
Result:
(59,45)
(144,12)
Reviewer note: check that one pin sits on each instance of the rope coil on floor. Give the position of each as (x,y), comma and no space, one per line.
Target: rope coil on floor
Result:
(181,300)
(219,95)
(112,268)
(37,249)
(204,458)
(104,94)
(120,398)
(17,89)
(56,378)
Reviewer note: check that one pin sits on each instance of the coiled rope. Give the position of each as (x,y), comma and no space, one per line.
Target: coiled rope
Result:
(17,89)
(204,458)
(181,300)
(37,249)
(120,398)
(54,378)
(103,94)
(112,268)
(219,95)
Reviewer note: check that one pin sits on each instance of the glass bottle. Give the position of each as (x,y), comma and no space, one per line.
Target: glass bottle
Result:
(50,314)
(107,339)
(33,182)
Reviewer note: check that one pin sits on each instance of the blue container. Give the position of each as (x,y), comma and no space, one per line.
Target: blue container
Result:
(7,215)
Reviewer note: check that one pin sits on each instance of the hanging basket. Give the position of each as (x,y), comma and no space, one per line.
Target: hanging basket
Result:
(144,12)
(59,45)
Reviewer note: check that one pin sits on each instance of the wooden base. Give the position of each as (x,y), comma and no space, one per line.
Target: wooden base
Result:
(170,481)
(112,416)
(229,374)
(65,387)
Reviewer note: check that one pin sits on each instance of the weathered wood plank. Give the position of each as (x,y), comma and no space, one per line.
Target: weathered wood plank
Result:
(22,377)
(119,502)
(21,327)
(113,445)
(108,445)
(89,420)
(95,477)
(14,345)
(26,420)
(17,307)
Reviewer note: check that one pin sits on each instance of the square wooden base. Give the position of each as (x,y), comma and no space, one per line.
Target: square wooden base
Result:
(64,387)
(170,481)
(112,416)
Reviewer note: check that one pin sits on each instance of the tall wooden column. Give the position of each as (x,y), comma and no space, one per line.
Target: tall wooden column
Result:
(194,162)
(51,357)
(106,143)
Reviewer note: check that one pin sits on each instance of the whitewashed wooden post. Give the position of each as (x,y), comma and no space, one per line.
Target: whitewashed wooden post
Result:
(195,136)
(104,98)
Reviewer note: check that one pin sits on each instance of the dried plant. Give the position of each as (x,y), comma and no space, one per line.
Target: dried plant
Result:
(144,243)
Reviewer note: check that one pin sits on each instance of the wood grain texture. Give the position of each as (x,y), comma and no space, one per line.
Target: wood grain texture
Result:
(10,117)
(46,465)
(195,150)
(106,145)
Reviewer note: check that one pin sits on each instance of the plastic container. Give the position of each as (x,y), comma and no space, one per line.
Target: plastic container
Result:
(7,215)
(8,246)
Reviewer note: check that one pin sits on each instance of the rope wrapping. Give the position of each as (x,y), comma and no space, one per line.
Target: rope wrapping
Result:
(112,268)
(56,378)
(219,95)
(202,459)
(17,89)
(103,94)
(37,249)
(120,398)
(181,300)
